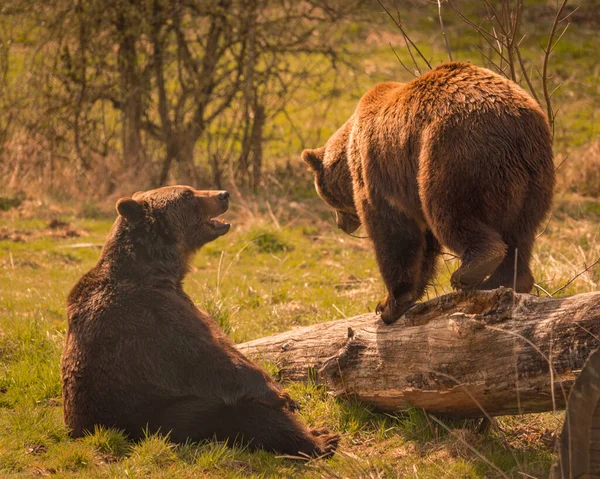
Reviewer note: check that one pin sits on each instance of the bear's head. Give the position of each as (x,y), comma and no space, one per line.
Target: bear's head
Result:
(180,216)
(333,180)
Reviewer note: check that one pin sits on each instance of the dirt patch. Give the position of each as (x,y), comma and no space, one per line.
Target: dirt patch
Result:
(104,459)
(60,229)
(356,288)
(293,310)
(54,229)
(16,236)
(36,449)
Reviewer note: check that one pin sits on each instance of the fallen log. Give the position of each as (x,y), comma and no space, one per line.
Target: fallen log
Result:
(463,354)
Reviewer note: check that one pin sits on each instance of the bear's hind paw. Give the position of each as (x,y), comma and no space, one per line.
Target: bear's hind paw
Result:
(328,443)
(390,309)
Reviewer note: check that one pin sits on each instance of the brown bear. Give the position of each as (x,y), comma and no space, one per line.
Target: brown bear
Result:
(460,157)
(139,354)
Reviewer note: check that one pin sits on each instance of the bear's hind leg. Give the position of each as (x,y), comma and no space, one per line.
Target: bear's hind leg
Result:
(505,273)
(481,251)
(399,246)
(249,423)
(520,236)
(275,430)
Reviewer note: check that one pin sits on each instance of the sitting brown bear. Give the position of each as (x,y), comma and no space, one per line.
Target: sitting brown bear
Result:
(460,157)
(139,353)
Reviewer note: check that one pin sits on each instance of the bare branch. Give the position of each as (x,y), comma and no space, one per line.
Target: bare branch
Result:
(526,75)
(443,29)
(547,52)
(401,62)
(485,35)
(576,276)
(490,61)
(407,39)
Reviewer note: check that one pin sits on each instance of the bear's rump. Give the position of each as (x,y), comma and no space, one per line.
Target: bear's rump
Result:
(484,170)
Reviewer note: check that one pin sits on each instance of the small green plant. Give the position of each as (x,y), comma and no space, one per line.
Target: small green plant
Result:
(109,441)
(155,450)
(271,242)
(9,202)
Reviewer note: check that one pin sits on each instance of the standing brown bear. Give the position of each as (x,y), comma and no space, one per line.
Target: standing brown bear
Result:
(140,354)
(460,157)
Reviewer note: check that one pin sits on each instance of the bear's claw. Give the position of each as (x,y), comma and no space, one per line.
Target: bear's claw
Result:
(328,443)
(289,403)
(390,309)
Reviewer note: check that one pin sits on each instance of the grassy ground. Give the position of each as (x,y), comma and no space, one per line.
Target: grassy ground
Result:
(272,272)
(284,265)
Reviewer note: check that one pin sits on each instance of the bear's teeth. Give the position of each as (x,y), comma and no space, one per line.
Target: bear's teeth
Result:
(217,222)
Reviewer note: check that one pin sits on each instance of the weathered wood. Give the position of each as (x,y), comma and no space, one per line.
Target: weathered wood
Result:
(459,354)
(579,447)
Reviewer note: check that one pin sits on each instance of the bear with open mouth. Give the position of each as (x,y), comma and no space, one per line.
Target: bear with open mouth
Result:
(140,355)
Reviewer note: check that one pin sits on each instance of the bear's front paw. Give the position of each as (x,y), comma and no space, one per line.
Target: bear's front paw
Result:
(277,399)
(390,309)
(326,443)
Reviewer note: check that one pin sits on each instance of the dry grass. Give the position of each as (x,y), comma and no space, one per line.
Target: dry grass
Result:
(283,265)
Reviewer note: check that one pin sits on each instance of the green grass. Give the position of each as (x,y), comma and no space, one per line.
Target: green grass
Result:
(264,277)
(284,265)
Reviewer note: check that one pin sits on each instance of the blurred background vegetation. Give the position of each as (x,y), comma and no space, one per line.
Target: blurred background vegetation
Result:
(103,97)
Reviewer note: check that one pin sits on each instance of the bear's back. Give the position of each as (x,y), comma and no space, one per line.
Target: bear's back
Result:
(464,88)
(451,92)
(455,102)
(127,345)
(458,128)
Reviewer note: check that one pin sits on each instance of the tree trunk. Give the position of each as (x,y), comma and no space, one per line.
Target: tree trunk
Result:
(460,354)
(131,92)
(188,173)
(243,169)
(257,140)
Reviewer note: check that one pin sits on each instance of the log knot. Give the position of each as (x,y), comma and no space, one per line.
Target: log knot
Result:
(347,357)
(465,324)
(503,302)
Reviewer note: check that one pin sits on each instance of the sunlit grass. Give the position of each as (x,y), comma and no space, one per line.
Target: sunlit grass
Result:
(267,275)
(284,265)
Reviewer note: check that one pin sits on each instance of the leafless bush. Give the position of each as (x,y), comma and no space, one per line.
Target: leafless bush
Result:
(498,27)
(146,82)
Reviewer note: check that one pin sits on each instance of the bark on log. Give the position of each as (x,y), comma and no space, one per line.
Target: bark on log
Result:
(459,354)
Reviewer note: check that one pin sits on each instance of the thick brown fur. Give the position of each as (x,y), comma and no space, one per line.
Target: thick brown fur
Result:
(459,157)
(140,354)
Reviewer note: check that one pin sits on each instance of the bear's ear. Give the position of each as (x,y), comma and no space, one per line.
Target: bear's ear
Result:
(130,209)
(313,158)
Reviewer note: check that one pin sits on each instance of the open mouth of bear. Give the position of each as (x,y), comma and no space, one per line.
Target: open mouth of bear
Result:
(218,225)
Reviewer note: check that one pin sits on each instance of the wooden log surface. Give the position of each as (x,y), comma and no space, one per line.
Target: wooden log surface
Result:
(459,354)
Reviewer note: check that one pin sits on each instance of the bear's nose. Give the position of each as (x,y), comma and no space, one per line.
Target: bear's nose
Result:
(224,196)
